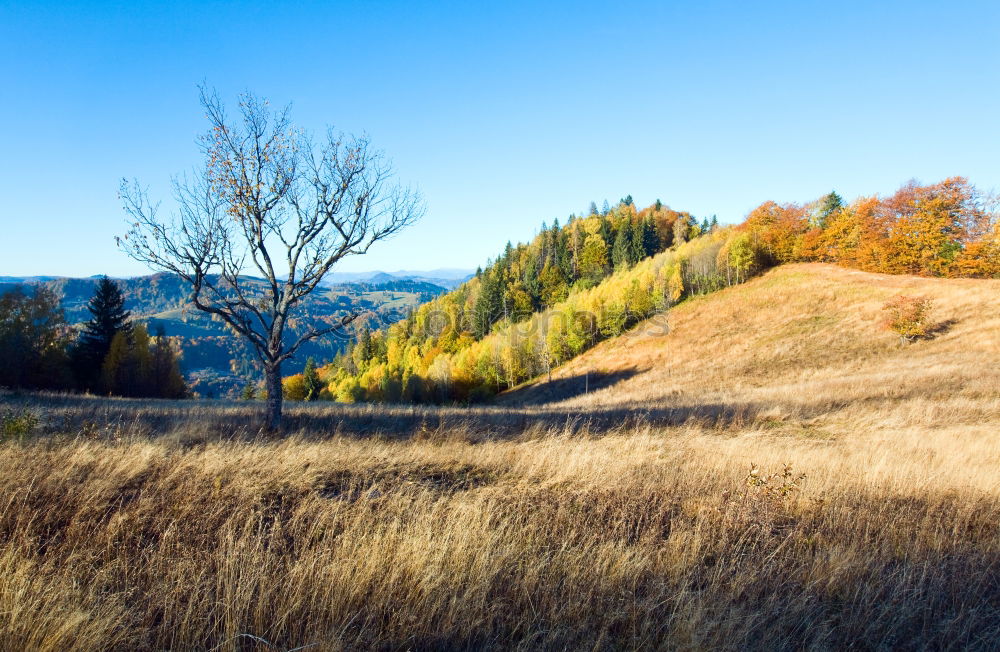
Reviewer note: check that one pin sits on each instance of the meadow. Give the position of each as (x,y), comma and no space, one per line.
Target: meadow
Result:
(776,473)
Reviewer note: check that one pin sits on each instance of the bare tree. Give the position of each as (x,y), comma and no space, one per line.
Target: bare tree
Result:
(268,202)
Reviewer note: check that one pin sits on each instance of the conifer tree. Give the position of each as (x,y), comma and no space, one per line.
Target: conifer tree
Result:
(606,231)
(311,381)
(650,239)
(489,305)
(828,205)
(621,252)
(108,319)
(637,249)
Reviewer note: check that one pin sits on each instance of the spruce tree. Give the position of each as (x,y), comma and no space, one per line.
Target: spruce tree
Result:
(489,305)
(563,258)
(606,232)
(622,250)
(828,205)
(650,239)
(108,319)
(637,251)
(311,381)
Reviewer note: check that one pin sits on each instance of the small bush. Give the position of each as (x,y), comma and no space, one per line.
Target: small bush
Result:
(907,316)
(15,425)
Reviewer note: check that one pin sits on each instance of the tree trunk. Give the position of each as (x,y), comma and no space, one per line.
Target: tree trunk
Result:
(272,381)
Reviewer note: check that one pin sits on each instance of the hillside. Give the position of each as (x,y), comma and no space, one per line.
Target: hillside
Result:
(213,359)
(543,303)
(802,344)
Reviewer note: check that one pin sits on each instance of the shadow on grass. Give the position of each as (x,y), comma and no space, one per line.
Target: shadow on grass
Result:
(939,328)
(561,389)
(196,422)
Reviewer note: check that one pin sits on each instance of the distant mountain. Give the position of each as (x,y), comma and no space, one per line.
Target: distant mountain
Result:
(449,278)
(450,273)
(215,361)
(27,279)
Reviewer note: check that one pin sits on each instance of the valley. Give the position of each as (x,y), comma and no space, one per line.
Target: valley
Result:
(215,361)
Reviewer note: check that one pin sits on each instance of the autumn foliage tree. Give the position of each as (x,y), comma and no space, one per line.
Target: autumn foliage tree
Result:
(141,366)
(907,316)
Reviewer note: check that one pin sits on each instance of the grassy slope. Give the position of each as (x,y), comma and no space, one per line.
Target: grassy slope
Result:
(804,343)
(168,525)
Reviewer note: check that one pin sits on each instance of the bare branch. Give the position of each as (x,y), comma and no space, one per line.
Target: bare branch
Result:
(266,187)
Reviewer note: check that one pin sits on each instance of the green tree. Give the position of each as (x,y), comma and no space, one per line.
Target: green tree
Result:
(621,252)
(362,351)
(311,381)
(637,251)
(108,318)
(829,204)
(650,239)
(489,304)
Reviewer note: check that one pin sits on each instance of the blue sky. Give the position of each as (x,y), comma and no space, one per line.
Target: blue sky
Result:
(503,115)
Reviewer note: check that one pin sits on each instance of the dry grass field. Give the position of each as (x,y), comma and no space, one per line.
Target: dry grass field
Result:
(655,512)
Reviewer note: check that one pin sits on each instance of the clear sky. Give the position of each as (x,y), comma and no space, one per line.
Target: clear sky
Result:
(503,115)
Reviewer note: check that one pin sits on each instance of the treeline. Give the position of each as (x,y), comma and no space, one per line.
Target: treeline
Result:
(111,355)
(544,302)
(944,229)
(439,352)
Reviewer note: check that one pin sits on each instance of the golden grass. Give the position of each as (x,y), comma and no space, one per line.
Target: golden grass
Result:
(159,525)
(804,342)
